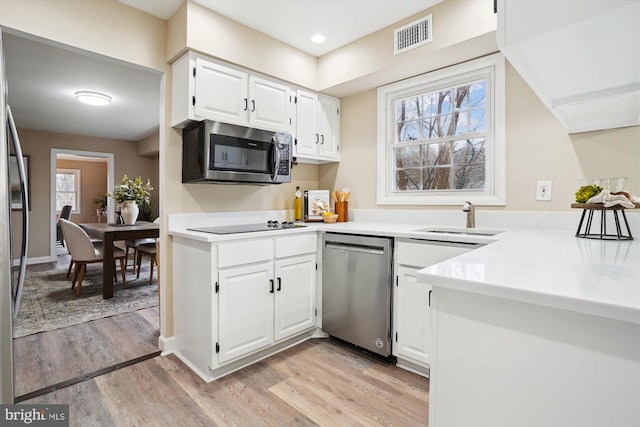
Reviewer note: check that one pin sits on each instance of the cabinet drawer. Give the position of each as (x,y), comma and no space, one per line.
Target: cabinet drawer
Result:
(244,252)
(427,253)
(296,245)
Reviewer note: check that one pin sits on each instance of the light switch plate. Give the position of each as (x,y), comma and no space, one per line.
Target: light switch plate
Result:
(543,190)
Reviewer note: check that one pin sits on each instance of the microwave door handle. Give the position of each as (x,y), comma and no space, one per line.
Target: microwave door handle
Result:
(276,158)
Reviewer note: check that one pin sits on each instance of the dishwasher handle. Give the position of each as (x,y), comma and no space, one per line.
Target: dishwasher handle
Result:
(351,247)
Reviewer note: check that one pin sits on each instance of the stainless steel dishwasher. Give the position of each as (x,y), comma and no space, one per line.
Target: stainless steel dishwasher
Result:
(357,279)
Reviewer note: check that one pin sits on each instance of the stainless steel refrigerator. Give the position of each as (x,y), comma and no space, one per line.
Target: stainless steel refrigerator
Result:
(13,199)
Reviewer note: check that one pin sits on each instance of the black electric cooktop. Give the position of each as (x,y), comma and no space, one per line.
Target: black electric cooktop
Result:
(248,228)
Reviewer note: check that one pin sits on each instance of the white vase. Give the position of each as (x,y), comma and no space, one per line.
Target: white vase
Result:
(129,212)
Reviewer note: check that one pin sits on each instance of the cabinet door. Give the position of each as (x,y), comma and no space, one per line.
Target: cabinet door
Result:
(245,310)
(295,301)
(307,137)
(269,105)
(412,308)
(221,93)
(329,124)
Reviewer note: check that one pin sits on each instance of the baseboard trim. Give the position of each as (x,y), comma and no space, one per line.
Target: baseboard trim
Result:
(37,260)
(166,344)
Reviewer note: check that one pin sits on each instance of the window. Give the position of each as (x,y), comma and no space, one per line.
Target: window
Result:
(68,189)
(441,136)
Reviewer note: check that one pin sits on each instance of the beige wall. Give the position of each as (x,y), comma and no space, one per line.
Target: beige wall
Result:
(215,35)
(93,184)
(462,30)
(537,147)
(149,146)
(38,145)
(105,27)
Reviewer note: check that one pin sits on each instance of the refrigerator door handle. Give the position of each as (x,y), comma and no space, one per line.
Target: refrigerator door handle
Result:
(25,210)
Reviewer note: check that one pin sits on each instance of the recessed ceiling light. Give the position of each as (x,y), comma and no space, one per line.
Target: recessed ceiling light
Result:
(93,98)
(318,38)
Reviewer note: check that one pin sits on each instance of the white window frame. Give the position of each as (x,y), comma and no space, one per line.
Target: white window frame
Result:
(75,172)
(495,165)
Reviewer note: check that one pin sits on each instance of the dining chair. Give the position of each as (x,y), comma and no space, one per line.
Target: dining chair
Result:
(134,244)
(65,213)
(149,249)
(83,252)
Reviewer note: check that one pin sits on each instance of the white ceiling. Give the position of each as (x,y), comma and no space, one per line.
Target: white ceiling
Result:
(43,77)
(295,21)
(42,80)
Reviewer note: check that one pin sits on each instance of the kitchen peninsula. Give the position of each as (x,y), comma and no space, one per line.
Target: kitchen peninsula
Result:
(539,319)
(538,325)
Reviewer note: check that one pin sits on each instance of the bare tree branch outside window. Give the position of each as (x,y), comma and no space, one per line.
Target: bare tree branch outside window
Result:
(441,140)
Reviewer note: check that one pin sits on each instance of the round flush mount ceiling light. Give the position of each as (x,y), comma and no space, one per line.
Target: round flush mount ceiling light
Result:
(93,98)
(318,38)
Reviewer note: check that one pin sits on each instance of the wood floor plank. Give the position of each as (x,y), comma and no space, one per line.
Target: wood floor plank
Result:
(240,398)
(317,383)
(371,401)
(145,395)
(86,406)
(151,314)
(51,357)
(58,355)
(130,334)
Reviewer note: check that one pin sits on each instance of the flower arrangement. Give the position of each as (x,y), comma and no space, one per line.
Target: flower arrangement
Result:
(131,189)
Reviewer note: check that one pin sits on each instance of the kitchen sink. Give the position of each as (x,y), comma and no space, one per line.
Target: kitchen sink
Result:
(465,231)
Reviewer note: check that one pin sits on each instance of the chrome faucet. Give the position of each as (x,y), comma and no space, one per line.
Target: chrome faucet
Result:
(471,214)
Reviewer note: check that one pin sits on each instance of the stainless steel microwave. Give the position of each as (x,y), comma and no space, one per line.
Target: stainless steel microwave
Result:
(224,153)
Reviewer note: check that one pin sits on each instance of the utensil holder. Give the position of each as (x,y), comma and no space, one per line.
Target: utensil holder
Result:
(342,209)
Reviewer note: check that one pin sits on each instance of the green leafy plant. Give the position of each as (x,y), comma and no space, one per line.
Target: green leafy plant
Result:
(101,202)
(146,211)
(131,189)
(586,192)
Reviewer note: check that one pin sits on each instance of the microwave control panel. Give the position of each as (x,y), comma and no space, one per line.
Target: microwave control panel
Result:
(285,157)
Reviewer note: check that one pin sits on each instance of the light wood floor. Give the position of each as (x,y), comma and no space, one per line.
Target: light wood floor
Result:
(318,383)
(47,358)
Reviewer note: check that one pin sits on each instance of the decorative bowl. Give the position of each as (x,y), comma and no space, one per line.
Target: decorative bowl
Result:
(330,219)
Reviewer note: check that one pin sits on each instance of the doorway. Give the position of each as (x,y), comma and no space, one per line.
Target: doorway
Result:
(56,154)
(44,78)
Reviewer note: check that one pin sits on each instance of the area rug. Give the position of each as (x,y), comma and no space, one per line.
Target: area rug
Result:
(48,302)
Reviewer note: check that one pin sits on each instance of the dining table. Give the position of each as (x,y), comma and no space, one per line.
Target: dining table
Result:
(110,233)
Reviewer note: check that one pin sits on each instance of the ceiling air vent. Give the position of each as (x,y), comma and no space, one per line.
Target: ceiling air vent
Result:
(412,35)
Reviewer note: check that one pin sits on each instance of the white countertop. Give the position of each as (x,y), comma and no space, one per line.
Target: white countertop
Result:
(546,267)
(360,227)
(550,268)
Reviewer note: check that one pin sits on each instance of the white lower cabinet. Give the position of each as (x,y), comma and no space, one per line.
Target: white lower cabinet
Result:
(258,307)
(239,301)
(295,295)
(412,322)
(412,300)
(245,316)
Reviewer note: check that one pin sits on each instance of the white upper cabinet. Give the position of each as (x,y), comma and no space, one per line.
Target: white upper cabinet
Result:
(317,128)
(206,89)
(270,105)
(329,131)
(306,124)
(582,58)
(221,93)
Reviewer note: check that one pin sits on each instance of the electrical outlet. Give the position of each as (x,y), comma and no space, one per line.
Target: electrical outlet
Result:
(543,190)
